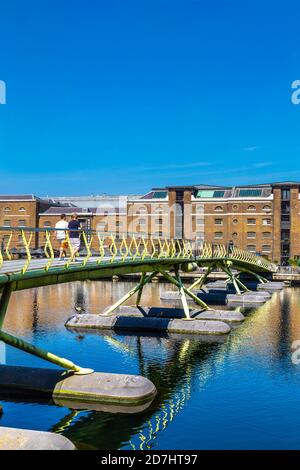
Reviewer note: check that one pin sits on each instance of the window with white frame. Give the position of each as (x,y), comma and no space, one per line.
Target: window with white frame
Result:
(266,249)
(251,234)
(218,235)
(251,248)
(266,222)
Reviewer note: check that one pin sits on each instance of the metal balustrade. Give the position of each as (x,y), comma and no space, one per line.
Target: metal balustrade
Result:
(102,248)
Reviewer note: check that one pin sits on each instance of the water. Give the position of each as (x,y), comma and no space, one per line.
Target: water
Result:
(242,394)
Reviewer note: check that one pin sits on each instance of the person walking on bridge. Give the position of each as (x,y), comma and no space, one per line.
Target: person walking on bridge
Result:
(61,235)
(74,234)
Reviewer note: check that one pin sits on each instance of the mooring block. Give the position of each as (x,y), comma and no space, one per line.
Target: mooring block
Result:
(160,324)
(227,316)
(97,387)
(246,299)
(24,439)
(270,286)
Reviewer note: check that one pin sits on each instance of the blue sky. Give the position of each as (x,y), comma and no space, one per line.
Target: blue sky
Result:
(114,96)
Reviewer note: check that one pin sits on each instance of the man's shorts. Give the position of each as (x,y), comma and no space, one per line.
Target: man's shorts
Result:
(64,244)
(75,243)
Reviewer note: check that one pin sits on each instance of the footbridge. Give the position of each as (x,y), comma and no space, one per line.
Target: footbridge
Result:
(24,264)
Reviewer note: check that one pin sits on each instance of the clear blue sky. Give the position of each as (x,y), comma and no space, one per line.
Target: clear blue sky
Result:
(119,96)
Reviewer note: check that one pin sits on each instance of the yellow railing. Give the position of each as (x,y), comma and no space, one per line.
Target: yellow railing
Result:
(102,247)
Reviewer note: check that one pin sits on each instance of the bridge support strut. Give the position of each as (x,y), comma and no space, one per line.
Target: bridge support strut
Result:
(199,282)
(235,281)
(138,288)
(178,283)
(29,348)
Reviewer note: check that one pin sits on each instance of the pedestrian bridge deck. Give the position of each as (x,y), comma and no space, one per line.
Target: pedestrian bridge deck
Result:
(117,255)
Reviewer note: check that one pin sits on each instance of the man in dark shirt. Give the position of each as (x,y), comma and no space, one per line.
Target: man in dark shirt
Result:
(74,234)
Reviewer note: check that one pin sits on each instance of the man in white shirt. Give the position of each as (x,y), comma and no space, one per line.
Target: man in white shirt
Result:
(61,235)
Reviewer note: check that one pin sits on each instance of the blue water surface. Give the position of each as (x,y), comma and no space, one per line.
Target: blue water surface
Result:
(243,393)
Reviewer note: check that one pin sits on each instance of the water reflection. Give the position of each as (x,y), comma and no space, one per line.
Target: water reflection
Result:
(203,387)
(172,368)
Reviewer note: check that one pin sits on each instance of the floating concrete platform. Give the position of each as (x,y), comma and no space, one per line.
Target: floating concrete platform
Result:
(83,391)
(247,300)
(24,439)
(172,312)
(141,322)
(271,286)
(227,316)
(216,296)
(168,312)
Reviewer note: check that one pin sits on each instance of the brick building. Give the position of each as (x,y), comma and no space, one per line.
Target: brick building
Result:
(20,211)
(262,219)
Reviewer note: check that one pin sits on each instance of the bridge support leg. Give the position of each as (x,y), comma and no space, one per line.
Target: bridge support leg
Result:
(29,348)
(236,282)
(182,294)
(186,291)
(199,282)
(261,279)
(138,288)
(5,298)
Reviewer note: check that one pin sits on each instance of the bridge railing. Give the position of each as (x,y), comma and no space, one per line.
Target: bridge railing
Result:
(102,246)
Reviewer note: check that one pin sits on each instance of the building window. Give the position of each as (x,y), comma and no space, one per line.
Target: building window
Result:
(142,210)
(200,221)
(251,234)
(47,224)
(22,209)
(219,209)
(234,235)
(20,240)
(218,234)
(22,223)
(200,235)
(200,209)
(7,209)
(235,207)
(267,208)
(251,221)
(142,222)
(251,248)
(285,194)
(158,221)
(266,222)
(235,221)
(158,210)
(7,223)
(266,234)
(218,221)
(102,226)
(251,208)
(266,248)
